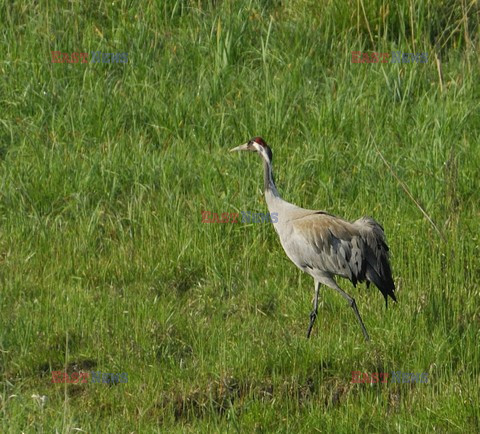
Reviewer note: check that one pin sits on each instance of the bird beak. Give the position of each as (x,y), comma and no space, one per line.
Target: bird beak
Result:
(243,147)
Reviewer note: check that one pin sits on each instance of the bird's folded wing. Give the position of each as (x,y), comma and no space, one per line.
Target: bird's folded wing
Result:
(328,244)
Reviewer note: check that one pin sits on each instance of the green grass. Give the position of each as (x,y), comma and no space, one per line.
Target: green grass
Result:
(105,169)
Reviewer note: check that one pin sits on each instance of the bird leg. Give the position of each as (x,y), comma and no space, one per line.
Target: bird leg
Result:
(313,314)
(351,302)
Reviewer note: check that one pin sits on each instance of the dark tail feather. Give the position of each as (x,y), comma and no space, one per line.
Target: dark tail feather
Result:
(385,284)
(378,268)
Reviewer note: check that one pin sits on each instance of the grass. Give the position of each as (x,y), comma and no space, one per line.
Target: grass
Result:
(105,169)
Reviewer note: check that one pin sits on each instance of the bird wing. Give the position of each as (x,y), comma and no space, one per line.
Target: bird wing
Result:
(328,244)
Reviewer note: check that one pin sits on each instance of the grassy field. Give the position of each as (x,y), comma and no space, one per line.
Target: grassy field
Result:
(105,169)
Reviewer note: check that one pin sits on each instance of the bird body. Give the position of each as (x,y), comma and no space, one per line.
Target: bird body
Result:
(323,245)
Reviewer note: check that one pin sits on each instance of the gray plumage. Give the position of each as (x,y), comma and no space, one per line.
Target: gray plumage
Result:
(324,245)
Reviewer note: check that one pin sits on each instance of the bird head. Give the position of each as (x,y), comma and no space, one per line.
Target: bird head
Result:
(257,144)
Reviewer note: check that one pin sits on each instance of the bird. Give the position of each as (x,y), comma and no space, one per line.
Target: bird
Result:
(324,245)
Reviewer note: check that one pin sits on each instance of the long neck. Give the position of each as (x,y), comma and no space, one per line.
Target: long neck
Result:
(276,205)
(268,181)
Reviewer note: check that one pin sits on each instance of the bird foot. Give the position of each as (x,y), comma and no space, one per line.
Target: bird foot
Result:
(313,317)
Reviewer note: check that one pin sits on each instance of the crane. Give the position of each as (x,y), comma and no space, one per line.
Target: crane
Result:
(323,245)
